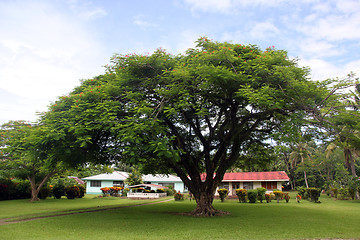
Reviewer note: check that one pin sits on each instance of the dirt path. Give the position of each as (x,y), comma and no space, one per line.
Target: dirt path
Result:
(12,220)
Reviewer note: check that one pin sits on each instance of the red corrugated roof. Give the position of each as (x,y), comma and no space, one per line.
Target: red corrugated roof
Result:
(254,176)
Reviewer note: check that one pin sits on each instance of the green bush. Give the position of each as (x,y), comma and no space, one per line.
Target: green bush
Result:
(22,189)
(261,194)
(335,192)
(169,191)
(58,190)
(252,195)
(344,193)
(45,192)
(303,192)
(223,192)
(314,194)
(4,191)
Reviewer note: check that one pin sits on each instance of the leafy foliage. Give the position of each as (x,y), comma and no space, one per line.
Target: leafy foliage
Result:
(188,114)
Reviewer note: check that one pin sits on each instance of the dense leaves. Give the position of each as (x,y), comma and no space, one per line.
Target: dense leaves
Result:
(188,114)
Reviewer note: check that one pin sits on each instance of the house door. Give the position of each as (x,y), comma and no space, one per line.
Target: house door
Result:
(234,187)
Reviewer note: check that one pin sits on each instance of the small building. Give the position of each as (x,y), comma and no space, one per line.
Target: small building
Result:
(117,178)
(253,180)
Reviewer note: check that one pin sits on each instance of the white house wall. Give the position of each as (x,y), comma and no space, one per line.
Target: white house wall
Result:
(96,190)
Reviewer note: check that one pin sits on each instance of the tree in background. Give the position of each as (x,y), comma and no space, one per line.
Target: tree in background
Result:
(189,114)
(134,178)
(27,153)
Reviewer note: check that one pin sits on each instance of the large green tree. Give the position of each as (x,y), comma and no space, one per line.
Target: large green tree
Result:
(189,114)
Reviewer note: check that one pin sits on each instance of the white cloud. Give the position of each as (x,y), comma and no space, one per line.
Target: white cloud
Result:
(318,48)
(140,21)
(43,53)
(85,10)
(263,30)
(228,6)
(321,69)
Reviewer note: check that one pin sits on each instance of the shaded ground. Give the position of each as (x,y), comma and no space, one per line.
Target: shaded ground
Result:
(18,219)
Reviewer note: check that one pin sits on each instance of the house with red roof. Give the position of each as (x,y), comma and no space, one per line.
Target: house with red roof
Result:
(253,180)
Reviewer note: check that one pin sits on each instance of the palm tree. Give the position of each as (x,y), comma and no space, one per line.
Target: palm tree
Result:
(301,153)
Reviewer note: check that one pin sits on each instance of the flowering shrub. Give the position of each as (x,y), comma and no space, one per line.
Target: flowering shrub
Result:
(160,190)
(278,195)
(286,197)
(298,198)
(223,192)
(114,191)
(268,197)
(178,196)
(241,193)
(72,192)
(105,191)
(82,191)
(303,192)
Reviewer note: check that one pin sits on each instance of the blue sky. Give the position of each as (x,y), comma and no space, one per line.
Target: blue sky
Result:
(47,46)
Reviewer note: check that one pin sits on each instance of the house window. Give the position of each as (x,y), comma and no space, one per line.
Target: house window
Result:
(166,184)
(95,183)
(118,183)
(269,185)
(248,185)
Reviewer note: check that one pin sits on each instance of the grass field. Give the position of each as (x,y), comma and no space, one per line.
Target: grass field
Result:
(307,220)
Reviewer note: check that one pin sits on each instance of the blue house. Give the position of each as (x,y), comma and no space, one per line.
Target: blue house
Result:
(117,178)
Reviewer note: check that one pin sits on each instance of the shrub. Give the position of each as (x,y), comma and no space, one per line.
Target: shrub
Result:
(252,195)
(72,192)
(44,192)
(298,198)
(223,192)
(268,197)
(303,192)
(314,194)
(334,192)
(160,190)
(4,191)
(82,191)
(58,190)
(261,194)
(105,191)
(278,195)
(124,192)
(241,193)
(286,197)
(169,191)
(178,196)
(22,189)
(344,193)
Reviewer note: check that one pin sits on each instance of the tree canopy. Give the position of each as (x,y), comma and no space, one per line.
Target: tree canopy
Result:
(189,114)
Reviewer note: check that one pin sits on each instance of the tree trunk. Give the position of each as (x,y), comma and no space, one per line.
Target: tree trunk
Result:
(204,206)
(35,189)
(306,182)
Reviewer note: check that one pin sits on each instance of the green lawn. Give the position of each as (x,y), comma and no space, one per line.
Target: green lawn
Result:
(330,219)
